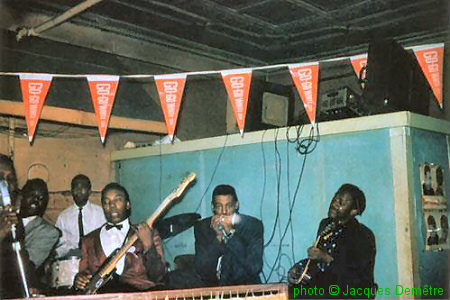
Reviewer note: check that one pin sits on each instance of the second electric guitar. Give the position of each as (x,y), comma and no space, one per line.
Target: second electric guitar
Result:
(306,268)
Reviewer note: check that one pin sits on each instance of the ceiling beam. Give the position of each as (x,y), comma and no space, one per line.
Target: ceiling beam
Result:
(163,50)
(77,117)
(57,20)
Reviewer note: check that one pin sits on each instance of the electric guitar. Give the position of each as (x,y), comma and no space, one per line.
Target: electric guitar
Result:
(306,267)
(106,271)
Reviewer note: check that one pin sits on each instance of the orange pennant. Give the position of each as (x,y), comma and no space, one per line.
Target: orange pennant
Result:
(306,79)
(170,90)
(34,90)
(431,59)
(103,91)
(359,62)
(237,83)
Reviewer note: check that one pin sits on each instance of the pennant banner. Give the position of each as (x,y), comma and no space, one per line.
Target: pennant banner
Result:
(359,62)
(306,79)
(237,83)
(34,90)
(103,91)
(170,90)
(431,61)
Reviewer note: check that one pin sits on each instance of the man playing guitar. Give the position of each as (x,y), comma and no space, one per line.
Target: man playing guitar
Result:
(344,253)
(143,266)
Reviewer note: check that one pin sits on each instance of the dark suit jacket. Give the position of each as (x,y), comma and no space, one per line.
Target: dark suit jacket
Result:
(40,239)
(242,256)
(142,271)
(353,249)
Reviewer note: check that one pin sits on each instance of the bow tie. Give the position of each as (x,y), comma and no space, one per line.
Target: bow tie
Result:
(117,226)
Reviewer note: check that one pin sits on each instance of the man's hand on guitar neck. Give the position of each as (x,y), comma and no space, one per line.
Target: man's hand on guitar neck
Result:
(145,234)
(81,280)
(318,254)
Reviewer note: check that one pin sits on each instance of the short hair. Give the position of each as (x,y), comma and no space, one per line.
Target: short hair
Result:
(37,184)
(426,169)
(357,195)
(224,189)
(115,186)
(81,177)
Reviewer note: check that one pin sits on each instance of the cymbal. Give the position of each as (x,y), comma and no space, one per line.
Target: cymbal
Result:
(170,227)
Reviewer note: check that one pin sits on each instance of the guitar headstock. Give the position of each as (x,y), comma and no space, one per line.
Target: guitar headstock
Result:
(183,185)
(172,196)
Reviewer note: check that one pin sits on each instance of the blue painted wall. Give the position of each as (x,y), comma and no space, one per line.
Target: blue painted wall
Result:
(266,176)
(429,147)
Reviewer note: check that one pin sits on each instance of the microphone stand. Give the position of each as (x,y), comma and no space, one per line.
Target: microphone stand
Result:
(15,241)
(16,246)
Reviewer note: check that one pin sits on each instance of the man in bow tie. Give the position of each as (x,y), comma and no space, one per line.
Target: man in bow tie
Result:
(142,268)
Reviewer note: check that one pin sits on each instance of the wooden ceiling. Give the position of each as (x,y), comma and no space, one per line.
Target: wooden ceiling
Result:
(162,36)
(241,32)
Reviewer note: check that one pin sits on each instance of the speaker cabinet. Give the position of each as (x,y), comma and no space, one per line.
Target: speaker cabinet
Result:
(394,80)
(270,105)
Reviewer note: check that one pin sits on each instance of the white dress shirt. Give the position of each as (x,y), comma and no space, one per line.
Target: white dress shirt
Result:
(114,238)
(67,222)
(27,220)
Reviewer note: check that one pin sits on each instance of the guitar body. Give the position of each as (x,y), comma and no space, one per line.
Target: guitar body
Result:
(108,267)
(98,280)
(96,283)
(305,271)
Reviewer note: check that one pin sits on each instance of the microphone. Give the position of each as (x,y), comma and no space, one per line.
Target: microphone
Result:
(6,199)
(225,234)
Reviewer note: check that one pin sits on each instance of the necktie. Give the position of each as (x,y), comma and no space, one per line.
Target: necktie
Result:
(80,226)
(117,226)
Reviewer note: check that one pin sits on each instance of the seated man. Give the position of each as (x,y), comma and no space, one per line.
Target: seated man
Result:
(345,254)
(79,219)
(40,236)
(142,268)
(228,245)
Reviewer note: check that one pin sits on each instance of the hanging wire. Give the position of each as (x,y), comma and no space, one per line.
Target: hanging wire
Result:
(303,147)
(213,174)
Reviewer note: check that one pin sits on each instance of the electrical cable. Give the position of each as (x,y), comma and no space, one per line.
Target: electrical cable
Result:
(214,172)
(303,147)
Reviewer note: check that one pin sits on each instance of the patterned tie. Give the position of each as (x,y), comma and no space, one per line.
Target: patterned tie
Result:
(80,226)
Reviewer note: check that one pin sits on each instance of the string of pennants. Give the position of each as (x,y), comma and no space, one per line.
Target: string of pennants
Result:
(170,88)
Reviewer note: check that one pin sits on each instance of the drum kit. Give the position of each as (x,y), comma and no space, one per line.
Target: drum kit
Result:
(63,270)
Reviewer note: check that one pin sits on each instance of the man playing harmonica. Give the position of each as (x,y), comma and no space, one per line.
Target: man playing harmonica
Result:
(228,245)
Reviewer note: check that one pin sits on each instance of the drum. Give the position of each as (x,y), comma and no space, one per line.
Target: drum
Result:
(63,272)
